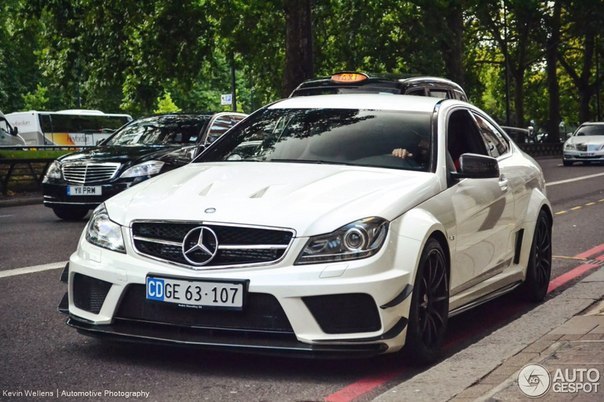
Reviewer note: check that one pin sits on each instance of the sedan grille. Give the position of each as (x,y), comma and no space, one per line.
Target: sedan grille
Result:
(234,245)
(581,147)
(85,173)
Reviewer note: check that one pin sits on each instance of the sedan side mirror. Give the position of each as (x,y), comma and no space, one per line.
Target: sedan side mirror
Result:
(475,166)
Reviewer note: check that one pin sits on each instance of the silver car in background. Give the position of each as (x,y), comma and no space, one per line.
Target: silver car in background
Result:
(585,145)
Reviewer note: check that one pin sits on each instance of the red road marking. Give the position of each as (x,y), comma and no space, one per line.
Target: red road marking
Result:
(367,384)
(592,252)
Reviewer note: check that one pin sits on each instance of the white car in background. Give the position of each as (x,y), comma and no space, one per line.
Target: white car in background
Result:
(585,145)
(317,240)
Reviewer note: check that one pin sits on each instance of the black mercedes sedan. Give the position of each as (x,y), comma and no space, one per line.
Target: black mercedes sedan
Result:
(78,182)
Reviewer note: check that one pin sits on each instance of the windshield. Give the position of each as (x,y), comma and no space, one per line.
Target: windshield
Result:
(591,130)
(337,136)
(162,130)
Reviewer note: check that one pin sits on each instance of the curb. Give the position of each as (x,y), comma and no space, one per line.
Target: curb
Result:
(499,350)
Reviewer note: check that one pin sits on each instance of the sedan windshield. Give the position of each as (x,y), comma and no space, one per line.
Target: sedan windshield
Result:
(160,130)
(336,136)
(591,130)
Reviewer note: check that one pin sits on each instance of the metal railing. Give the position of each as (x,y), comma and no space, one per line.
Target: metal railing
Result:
(21,171)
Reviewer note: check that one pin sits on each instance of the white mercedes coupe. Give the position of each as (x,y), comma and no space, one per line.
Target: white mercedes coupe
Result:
(330,225)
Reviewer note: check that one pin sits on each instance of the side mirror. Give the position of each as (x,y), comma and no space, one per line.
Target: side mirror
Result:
(14,131)
(194,153)
(475,166)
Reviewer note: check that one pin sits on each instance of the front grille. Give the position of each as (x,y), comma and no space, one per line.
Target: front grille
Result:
(89,293)
(261,312)
(344,313)
(85,173)
(581,147)
(237,245)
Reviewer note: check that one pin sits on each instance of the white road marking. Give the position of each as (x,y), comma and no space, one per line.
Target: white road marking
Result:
(5,216)
(31,270)
(591,176)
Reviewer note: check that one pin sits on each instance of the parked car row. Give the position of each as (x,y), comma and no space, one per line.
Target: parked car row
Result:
(351,221)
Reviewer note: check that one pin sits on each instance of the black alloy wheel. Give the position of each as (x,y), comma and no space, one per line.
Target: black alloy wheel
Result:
(429,306)
(539,267)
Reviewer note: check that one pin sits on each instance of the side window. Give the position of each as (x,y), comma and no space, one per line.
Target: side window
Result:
(416,91)
(220,126)
(496,144)
(439,93)
(463,135)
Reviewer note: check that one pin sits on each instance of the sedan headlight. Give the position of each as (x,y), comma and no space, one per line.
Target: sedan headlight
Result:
(54,171)
(569,146)
(148,169)
(359,239)
(103,232)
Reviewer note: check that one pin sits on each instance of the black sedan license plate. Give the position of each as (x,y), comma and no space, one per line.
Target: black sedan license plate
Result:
(84,190)
(196,293)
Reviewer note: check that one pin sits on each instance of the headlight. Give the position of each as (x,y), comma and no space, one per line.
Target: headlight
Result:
(54,171)
(569,146)
(103,232)
(148,169)
(360,239)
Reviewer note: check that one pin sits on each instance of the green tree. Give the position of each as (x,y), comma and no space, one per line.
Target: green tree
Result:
(165,104)
(37,100)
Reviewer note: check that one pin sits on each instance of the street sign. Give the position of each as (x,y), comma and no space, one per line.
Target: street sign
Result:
(226,99)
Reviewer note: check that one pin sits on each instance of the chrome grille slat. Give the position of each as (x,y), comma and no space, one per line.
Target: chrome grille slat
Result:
(237,245)
(86,173)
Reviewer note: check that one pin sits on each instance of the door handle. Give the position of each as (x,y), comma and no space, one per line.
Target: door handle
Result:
(503,183)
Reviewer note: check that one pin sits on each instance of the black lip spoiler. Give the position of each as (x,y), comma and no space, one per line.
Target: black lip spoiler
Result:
(141,332)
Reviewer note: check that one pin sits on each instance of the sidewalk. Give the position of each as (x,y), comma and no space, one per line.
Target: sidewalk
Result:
(26,198)
(555,352)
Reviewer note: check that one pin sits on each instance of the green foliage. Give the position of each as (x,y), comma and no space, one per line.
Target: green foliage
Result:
(37,100)
(124,55)
(165,104)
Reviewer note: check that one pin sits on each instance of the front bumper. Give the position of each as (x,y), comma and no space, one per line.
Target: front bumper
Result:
(581,156)
(358,308)
(55,193)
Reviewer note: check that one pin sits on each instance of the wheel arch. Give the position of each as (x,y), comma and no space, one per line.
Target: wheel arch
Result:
(420,225)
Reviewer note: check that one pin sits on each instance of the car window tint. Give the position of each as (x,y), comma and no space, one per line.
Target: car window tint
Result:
(463,135)
(494,141)
(347,136)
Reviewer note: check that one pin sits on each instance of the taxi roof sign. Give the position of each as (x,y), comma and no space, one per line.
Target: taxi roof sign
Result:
(348,77)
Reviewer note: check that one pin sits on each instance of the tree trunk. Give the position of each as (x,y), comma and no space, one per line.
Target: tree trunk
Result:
(551,57)
(452,48)
(298,44)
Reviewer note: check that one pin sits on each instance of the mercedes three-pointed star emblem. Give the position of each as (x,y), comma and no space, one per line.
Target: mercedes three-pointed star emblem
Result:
(200,245)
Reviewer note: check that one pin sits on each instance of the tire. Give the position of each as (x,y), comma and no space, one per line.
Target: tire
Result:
(70,213)
(429,310)
(539,266)
(567,163)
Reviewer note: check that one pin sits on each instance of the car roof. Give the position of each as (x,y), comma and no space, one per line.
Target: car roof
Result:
(364,82)
(592,123)
(361,101)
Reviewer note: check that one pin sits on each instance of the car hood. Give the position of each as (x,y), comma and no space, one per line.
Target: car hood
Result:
(310,199)
(586,139)
(123,154)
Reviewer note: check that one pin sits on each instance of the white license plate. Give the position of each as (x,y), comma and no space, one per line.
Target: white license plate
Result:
(587,154)
(84,190)
(196,293)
